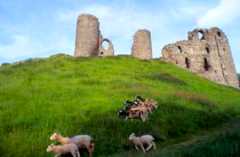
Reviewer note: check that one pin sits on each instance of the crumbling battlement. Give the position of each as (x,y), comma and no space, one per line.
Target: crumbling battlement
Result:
(207,53)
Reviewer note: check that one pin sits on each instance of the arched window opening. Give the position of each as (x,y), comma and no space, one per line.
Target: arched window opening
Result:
(207,50)
(219,34)
(105,44)
(187,62)
(180,49)
(206,64)
(201,35)
(105,48)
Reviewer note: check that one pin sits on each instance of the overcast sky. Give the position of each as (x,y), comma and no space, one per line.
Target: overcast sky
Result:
(32,28)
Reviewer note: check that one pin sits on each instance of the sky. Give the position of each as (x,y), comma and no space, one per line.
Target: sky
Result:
(30,28)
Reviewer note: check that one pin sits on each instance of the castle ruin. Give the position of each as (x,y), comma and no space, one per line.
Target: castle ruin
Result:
(142,45)
(89,39)
(207,53)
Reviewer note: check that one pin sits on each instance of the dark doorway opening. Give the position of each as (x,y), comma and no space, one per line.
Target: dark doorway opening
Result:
(207,50)
(187,62)
(206,64)
(180,49)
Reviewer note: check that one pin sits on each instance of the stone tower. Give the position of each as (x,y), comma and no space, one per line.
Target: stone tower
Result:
(89,40)
(207,53)
(142,45)
(88,36)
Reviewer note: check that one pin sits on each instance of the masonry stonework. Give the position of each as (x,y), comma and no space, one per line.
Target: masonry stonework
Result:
(207,53)
(89,39)
(142,45)
(106,51)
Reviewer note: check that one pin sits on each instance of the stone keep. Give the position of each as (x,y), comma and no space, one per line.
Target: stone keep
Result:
(88,36)
(89,40)
(142,45)
(207,53)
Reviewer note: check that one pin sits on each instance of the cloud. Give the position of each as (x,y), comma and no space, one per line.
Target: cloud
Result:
(224,13)
(114,21)
(120,24)
(19,46)
(23,47)
(2,60)
(188,12)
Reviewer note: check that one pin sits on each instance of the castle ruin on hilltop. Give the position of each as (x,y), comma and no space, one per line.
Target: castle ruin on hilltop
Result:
(89,40)
(206,52)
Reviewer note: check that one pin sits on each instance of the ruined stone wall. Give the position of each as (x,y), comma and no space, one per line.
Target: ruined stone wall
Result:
(89,39)
(106,51)
(226,62)
(142,45)
(207,53)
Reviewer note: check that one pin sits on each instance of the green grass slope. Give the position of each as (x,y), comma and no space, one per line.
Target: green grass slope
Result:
(82,96)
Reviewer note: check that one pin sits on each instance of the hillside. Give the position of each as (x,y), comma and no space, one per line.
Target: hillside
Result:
(82,96)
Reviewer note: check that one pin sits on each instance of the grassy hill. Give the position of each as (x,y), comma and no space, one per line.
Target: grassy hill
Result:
(82,96)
